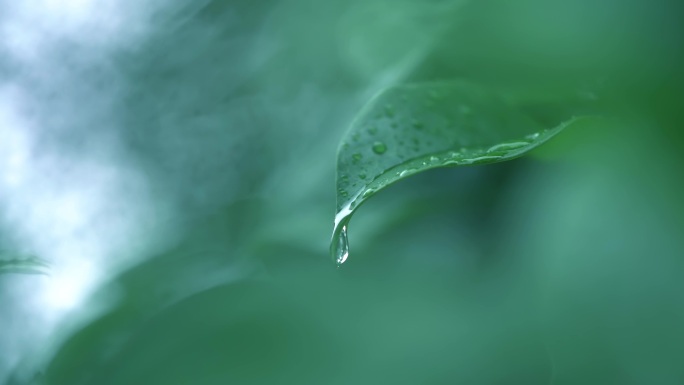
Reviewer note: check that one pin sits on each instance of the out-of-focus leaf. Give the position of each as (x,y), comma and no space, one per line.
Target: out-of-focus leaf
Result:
(22,264)
(409,129)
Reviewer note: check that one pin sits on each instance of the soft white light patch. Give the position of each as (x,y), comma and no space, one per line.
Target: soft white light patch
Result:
(14,151)
(29,26)
(62,208)
(81,208)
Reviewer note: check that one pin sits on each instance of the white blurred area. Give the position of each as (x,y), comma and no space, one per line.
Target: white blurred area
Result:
(69,194)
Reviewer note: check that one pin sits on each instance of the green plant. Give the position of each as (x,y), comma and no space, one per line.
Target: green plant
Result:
(409,129)
(561,267)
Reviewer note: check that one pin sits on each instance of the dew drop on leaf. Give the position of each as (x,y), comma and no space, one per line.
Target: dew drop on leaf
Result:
(379,148)
(507,146)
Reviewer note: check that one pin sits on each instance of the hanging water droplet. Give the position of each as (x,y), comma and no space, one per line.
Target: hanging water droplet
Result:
(379,148)
(339,243)
(339,247)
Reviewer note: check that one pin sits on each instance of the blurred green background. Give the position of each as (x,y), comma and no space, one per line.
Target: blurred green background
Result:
(214,126)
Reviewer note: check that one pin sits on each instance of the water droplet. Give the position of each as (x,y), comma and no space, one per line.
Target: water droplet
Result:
(345,146)
(367,193)
(356,137)
(507,146)
(372,130)
(356,158)
(362,175)
(339,247)
(404,173)
(533,136)
(417,124)
(483,159)
(434,159)
(379,148)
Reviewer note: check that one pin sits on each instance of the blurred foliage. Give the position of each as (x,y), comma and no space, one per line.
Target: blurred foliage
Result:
(564,267)
(10,263)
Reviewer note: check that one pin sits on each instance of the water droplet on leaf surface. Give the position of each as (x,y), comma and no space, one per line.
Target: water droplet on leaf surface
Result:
(379,148)
(507,146)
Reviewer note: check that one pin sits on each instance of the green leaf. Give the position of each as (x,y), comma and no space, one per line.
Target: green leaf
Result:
(408,129)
